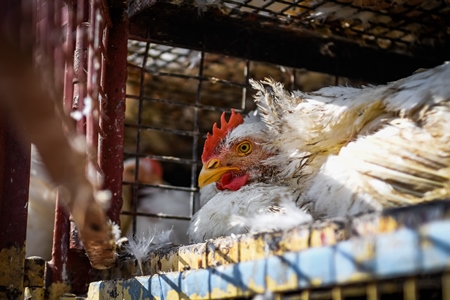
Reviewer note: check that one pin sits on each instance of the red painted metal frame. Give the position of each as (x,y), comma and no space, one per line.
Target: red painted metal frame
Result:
(113,109)
(78,66)
(84,59)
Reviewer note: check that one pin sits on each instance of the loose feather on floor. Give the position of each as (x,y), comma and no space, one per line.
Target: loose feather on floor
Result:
(142,244)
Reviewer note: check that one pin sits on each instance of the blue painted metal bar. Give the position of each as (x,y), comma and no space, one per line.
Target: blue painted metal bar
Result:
(405,252)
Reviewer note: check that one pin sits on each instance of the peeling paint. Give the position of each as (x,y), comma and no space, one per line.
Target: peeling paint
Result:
(385,256)
(290,284)
(12,272)
(56,289)
(34,272)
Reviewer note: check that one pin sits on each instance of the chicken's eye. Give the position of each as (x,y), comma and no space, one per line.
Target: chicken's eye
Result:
(244,148)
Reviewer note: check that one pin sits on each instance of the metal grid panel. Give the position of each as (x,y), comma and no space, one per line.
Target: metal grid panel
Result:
(172,100)
(377,41)
(389,25)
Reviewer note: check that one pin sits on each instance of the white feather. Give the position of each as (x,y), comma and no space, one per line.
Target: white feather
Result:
(141,244)
(207,193)
(289,217)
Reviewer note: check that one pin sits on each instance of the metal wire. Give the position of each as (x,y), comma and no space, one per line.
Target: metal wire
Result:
(138,144)
(396,26)
(199,78)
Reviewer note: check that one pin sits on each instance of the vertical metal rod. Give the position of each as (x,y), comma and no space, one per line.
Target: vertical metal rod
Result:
(58,54)
(372,291)
(293,78)
(446,286)
(246,84)
(58,264)
(410,289)
(92,79)
(70,48)
(113,110)
(305,295)
(60,249)
(196,135)
(336,293)
(138,136)
(80,67)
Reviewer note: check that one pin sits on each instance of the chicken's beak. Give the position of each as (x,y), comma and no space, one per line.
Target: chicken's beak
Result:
(212,172)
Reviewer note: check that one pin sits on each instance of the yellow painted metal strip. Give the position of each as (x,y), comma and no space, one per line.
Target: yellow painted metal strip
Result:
(446,286)
(305,295)
(410,289)
(336,293)
(372,291)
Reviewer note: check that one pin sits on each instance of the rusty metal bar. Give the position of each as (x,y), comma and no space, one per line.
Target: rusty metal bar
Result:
(111,145)
(57,271)
(80,67)
(69,46)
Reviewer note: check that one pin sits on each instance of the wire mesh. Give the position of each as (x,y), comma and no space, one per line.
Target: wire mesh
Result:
(389,25)
(430,286)
(174,96)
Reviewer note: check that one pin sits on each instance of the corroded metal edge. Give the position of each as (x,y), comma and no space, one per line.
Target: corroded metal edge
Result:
(248,247)
(404,252)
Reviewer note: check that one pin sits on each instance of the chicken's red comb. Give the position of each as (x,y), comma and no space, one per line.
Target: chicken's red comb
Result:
(153,166)
(218,134)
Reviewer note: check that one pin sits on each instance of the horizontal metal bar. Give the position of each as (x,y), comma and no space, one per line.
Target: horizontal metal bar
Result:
(158,215)
(162,186)
(184,76)
(171,159)
(403,253)
(201,106)
(154,128)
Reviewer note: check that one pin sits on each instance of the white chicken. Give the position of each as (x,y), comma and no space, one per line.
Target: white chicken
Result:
(335,152)
(154,200)
(232,158)
(351,150)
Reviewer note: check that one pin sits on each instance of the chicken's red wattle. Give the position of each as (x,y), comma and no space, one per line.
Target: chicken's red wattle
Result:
(228,182)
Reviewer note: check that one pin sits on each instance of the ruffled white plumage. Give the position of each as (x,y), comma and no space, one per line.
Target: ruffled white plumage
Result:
(245,210)
(348,150)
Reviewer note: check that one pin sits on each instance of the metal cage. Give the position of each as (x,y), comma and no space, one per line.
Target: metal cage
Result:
(176,66)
